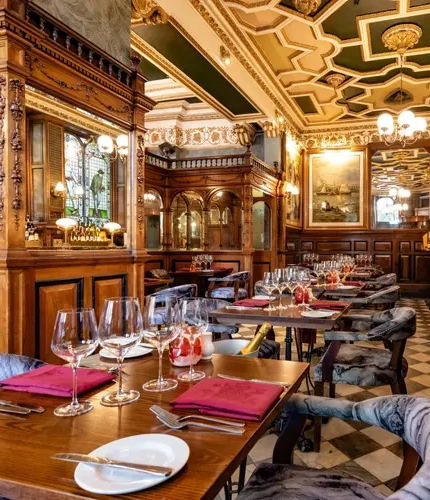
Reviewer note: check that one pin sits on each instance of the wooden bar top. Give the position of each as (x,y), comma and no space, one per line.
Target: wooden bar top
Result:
(26,445)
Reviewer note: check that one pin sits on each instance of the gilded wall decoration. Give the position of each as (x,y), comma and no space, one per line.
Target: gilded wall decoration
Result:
(293,197)
(140,182)
(16,108)
(148,13)
(360,136)
(104,23)
(2,141)
(193,137)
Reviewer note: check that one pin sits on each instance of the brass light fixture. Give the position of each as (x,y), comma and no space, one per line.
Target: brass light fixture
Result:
(307,7)
(58,191)
(335,79)
(225,56)
(408,127)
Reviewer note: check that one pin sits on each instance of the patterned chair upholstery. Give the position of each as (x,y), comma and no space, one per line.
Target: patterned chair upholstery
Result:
(232,287)
(216,327)
(14,364)
(383,281)
(181,291)
(159,273)
(367,366)
(406,416)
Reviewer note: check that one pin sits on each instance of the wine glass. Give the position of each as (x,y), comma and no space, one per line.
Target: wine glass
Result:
(161,325)
(210,260)
(75,337)
(120,329)
(269,285)
(194,319)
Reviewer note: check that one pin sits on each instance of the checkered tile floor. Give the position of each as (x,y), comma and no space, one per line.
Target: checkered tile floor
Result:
(367,453)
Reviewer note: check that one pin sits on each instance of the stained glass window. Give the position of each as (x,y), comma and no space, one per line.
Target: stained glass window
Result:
(87,175)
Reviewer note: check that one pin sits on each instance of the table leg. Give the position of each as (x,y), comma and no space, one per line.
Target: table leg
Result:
(288,342)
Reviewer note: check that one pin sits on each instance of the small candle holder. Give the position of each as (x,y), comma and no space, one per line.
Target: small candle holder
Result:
(66,224)
(112,227)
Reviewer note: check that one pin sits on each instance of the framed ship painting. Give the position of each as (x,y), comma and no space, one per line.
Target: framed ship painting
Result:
(336,180)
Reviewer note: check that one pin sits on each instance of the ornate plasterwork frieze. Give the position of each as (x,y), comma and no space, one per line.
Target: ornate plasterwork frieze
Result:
(193,137)
(148,13)
(345,138)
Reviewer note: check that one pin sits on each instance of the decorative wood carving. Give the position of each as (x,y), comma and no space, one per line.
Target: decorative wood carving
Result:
(16,108)
(140,182)
(148,13)
(2,141)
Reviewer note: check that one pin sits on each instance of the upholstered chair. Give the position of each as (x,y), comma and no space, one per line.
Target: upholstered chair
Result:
(217,328)
(367,366)
(14,364)
(406,416)
(180,291)
(232,287)
(383,281)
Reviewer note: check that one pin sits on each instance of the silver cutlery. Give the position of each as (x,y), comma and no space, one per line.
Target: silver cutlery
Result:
(164,413)
(14,409)
(28,406)
(231,377)
(92,459)
(172,423)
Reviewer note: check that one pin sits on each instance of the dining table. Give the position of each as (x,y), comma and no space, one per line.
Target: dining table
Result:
(199,277)
(27,443)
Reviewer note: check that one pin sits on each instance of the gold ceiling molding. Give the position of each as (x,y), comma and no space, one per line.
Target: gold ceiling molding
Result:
(307,7)
(147,13)
(47,104)
(193,137)
(401,37)
(335,79)
(200,8)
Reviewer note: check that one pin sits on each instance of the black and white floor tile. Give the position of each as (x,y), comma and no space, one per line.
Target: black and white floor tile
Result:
(364,452)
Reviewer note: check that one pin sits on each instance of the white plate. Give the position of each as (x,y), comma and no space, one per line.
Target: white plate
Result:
(151,449)
(317,314)
(262,297)
(132,353)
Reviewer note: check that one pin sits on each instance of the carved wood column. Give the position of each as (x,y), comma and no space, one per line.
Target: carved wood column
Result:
(167,230)
(206,230)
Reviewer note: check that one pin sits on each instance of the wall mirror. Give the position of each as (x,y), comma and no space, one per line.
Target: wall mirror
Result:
(153,220)
(187,221)
(400,188)
(225,221)
(262,219)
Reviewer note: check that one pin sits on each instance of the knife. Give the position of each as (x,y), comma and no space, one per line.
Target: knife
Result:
(231,377)
(34,408)
(92,459)
(14,409)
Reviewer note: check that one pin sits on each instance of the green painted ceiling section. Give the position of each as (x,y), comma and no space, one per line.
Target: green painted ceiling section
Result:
(384,78)
(170,43)
(352,58)
(342,22)
(306,104)
(150,71)
(422,59)
(378,28)
(417,3)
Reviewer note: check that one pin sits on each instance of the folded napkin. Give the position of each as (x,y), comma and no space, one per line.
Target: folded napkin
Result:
(230,398)
(56,380)
(252,303)
(328,304)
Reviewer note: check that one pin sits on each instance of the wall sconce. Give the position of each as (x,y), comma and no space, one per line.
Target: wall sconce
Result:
(225,56)
(66,224)
(120,148)
(112,227)
(58,191)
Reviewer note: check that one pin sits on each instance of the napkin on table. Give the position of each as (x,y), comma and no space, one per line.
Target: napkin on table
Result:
(56,380)
(252,303)
(353,283)
(329,304)
(230,398)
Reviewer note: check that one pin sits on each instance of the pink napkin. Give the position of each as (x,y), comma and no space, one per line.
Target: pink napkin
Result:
(56,380)
(252,303)
(230,398)
(328,304)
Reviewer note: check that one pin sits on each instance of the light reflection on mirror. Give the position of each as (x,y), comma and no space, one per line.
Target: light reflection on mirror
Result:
(400,188)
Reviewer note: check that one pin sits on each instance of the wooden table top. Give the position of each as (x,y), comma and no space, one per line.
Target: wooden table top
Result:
(26,445)
(342,290)
(286,317)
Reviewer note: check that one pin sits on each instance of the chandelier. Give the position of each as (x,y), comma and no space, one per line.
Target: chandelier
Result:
(307,7)
(408,128)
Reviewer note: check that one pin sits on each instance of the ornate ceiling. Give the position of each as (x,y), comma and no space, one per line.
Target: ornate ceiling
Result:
(282,61)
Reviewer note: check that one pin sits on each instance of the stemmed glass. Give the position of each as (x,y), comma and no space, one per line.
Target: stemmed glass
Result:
(292,283)
(194,318)
(210,260)
(282,285)
(75,337)
(120,329)
(269,285)
(161,325)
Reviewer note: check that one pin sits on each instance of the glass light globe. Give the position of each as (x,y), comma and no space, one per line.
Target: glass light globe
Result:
(66,222)
(105,144)
(420,124)
(289,188)
(295,190)
(406,119)
(405,206)
(79,190)
(385,124)
(122,143)
(392,192)
(406,193)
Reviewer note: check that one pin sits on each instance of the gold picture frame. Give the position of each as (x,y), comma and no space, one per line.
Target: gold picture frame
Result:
(336,192)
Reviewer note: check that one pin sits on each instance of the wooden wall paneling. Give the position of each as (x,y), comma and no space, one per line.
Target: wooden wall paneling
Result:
(382,246)
(155,263)
(418,246)
(385,261)
(50,297)
(361,246)
(404,246)
(104,287)
(307,246)
(422,268)
(404,272)
(333,246)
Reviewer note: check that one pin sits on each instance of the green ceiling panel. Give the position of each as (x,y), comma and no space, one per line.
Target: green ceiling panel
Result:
(170,43)
(306,105)
(417,3)
(351,58)
(351,92)
(376,30)
(342,22)
(421,59)
(151,71)
(355,107)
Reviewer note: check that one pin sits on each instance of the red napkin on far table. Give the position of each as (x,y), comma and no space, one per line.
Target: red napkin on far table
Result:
(56,380)
(252,303)
(230,398)
(329,304)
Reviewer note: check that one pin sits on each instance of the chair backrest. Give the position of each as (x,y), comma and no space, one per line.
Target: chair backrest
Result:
(394,324)
(159,273)
(406,416)
(242,276)
(15,364)
(385,296)
(180,291)
(387,279)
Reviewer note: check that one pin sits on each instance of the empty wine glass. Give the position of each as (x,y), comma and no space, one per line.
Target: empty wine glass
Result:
(161,325)
(269,285)
(120,329)
(75,337)
(210,260)
(194,319)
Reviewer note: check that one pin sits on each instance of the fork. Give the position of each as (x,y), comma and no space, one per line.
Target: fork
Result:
(162,413)
(172,423)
